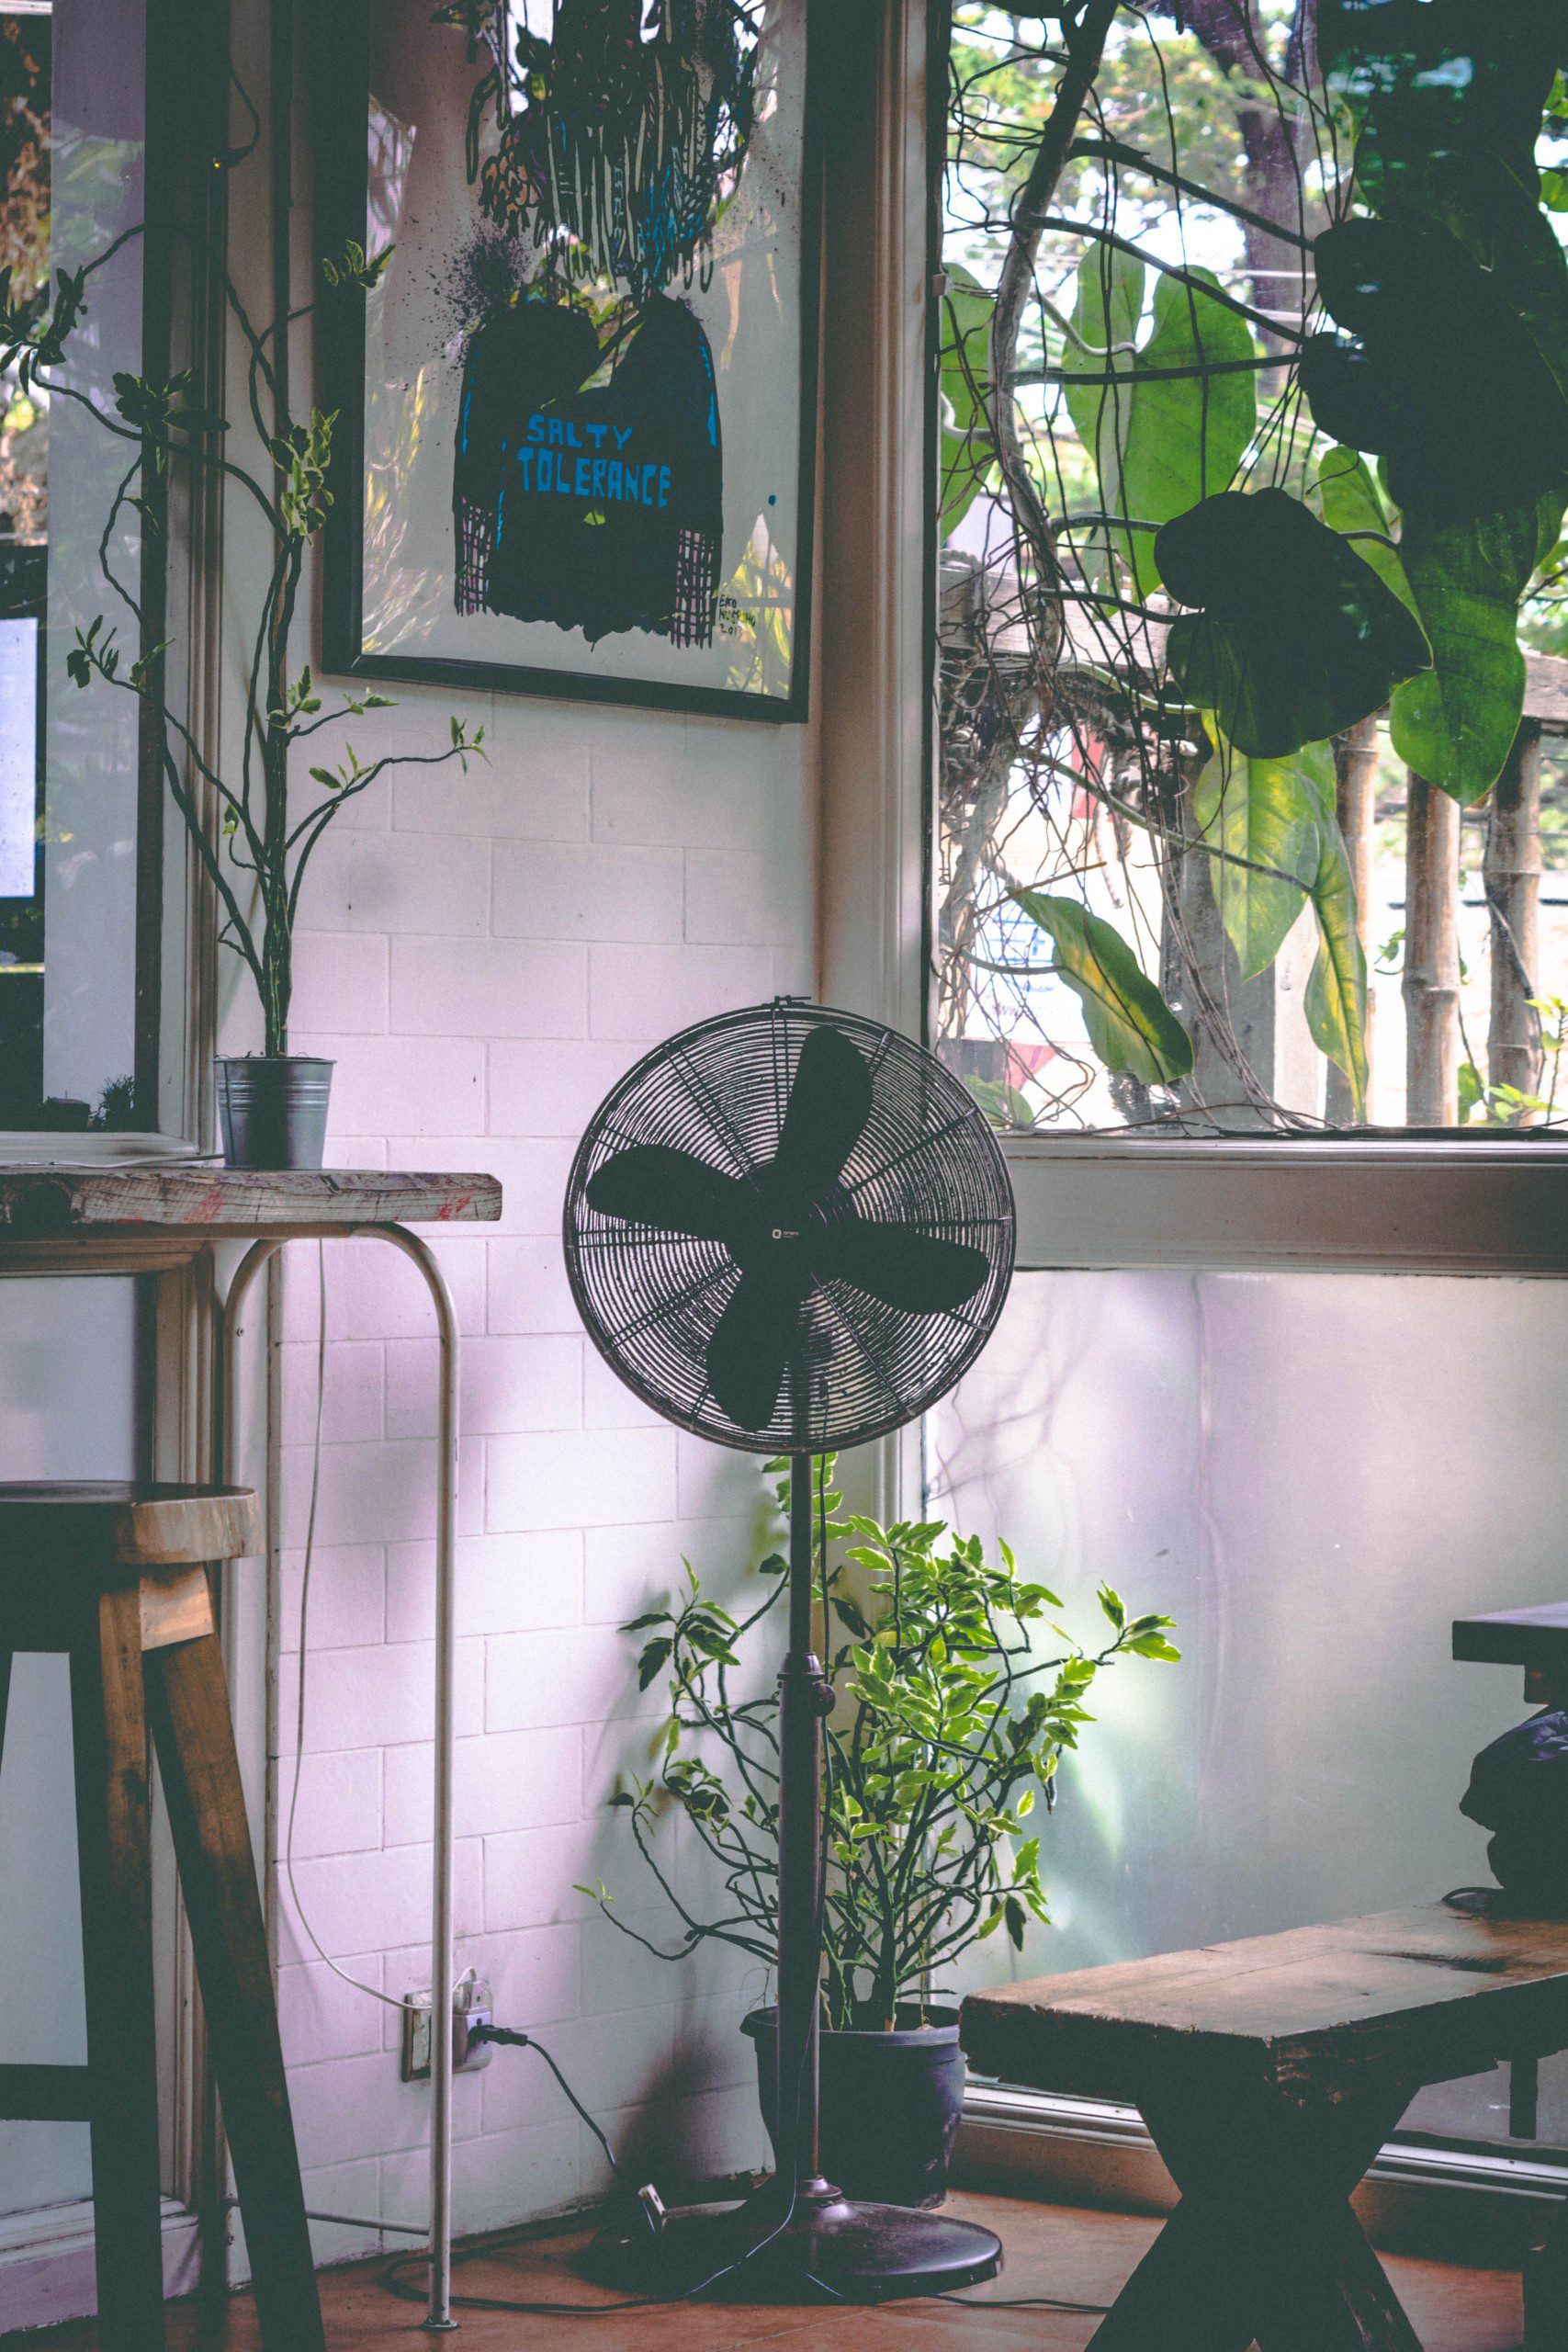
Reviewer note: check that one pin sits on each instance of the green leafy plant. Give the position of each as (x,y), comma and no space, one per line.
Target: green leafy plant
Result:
(951,1718)
(254,838)
(1239,517)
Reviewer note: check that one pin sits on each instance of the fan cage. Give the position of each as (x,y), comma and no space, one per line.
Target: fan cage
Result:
(926,1158)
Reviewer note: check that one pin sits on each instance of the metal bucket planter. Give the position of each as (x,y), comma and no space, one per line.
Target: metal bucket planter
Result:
(891,2103)
(272,1109)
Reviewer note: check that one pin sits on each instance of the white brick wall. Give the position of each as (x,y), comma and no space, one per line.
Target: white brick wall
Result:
(484,956)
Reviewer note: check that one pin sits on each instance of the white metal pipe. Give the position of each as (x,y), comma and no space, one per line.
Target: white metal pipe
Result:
(439,2315)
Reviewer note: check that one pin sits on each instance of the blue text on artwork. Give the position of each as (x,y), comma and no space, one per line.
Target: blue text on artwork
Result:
(590,475)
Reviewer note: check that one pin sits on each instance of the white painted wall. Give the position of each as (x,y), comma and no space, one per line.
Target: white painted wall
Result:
(484,956)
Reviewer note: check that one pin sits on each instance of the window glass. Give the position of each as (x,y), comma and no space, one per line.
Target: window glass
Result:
(1195,867)
(1313,1477)
(72,171)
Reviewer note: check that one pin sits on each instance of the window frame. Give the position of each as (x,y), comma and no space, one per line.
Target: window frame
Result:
(1368,1203)
(175,1025)
(1462,1204)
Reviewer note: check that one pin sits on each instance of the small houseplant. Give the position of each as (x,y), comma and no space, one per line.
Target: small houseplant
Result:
(947,1732)
(253,836)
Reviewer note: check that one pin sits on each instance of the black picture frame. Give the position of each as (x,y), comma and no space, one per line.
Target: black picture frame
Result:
(340,39)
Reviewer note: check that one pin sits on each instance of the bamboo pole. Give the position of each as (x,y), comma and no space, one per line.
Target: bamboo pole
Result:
(1512,873)
(1430,985)
(1355,795)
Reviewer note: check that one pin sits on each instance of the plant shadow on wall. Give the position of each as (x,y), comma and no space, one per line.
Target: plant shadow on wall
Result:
(1254,366)
(952,1719)
(254,833)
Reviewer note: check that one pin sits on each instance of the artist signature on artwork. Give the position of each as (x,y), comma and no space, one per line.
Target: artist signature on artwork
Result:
(731,616)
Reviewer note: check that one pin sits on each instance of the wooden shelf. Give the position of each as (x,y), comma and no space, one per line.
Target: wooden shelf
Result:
(61,1203)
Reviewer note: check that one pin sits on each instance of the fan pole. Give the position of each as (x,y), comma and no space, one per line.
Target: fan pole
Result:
(805,1699)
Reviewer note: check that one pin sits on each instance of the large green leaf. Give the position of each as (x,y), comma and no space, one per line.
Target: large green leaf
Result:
(1336,1002)
(1160,441)
(1296,638)
(1351,502)
(1455,723)
(1437,369)
(1260,814)
(965,375)
(1129,1025)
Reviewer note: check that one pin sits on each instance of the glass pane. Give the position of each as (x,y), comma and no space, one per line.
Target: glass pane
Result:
(1196,865)
(1314,1475)
(72,169)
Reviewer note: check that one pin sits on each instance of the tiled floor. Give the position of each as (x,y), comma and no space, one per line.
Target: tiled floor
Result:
(1051,2250)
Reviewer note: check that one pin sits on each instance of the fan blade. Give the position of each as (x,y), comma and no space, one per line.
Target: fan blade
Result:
(829,1106)
(903,1269)
(650,1184)
(750,1350)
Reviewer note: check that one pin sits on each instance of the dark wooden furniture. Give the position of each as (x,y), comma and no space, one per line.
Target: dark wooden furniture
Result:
(178,1208)
(1270,2071)
(1537,1640)
(116,1575)
(163,1217)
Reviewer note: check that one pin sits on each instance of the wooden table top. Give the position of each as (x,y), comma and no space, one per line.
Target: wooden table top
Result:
(53,1202)
(1430,1988)
(1534,1638)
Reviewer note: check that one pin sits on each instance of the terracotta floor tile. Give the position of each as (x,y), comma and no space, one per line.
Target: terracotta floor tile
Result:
(1051,2250)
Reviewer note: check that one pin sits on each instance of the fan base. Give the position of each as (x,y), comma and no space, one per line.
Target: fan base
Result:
(833,2248)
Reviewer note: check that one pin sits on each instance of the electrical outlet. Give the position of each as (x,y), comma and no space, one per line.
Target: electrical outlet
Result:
(471,2008)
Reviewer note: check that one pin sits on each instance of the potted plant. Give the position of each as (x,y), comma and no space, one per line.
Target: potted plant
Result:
(252,835)
(947,1731)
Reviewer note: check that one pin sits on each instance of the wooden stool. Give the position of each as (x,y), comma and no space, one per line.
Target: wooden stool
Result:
(115,1575)
(1270,2073)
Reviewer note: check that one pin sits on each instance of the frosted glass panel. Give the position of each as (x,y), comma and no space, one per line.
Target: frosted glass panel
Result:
(18,756)
(1314,1474)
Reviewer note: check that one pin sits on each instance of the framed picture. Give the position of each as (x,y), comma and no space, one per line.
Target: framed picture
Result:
(568,331)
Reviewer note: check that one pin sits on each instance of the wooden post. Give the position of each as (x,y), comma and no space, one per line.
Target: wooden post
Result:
(1431,987)
(1355,795)
(1513,904)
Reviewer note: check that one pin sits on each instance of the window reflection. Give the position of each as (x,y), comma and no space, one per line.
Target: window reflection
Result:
(72,156)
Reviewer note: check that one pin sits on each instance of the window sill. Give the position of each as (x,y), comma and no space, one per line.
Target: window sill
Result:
(1033,2143)
(39,1148)
(1434,1205)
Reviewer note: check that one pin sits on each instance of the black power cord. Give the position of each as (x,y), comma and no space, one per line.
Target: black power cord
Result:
(396,2277)
(399,2276)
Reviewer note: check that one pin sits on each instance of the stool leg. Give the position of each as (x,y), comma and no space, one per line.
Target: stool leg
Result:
(187,1701)
(109,1737)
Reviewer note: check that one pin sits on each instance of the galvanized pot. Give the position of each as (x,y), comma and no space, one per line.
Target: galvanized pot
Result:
(272,1109)
(891,2103)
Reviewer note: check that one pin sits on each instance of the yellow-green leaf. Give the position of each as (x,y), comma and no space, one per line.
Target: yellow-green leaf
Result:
(1336,1000)
(1129,1025)
(1261,819)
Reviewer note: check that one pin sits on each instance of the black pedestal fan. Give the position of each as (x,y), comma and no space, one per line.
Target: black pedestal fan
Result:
(790,1230)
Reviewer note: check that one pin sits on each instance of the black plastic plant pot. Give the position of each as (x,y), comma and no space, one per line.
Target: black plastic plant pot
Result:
(272,1109)
(891,2103)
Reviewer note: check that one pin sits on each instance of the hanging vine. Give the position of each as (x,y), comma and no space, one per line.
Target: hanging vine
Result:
(1254,361)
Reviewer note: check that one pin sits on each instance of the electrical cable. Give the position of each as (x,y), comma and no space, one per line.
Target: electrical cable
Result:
(393,2280)
(515,2041)
(389,2000)
(397,2282)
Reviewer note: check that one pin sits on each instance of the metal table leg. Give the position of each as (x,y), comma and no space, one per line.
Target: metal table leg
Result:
(439,2315)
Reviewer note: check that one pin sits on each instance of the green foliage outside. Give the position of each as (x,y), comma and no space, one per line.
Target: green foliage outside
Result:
(1140,388)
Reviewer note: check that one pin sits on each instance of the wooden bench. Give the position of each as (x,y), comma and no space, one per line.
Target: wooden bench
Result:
(1270,2073)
